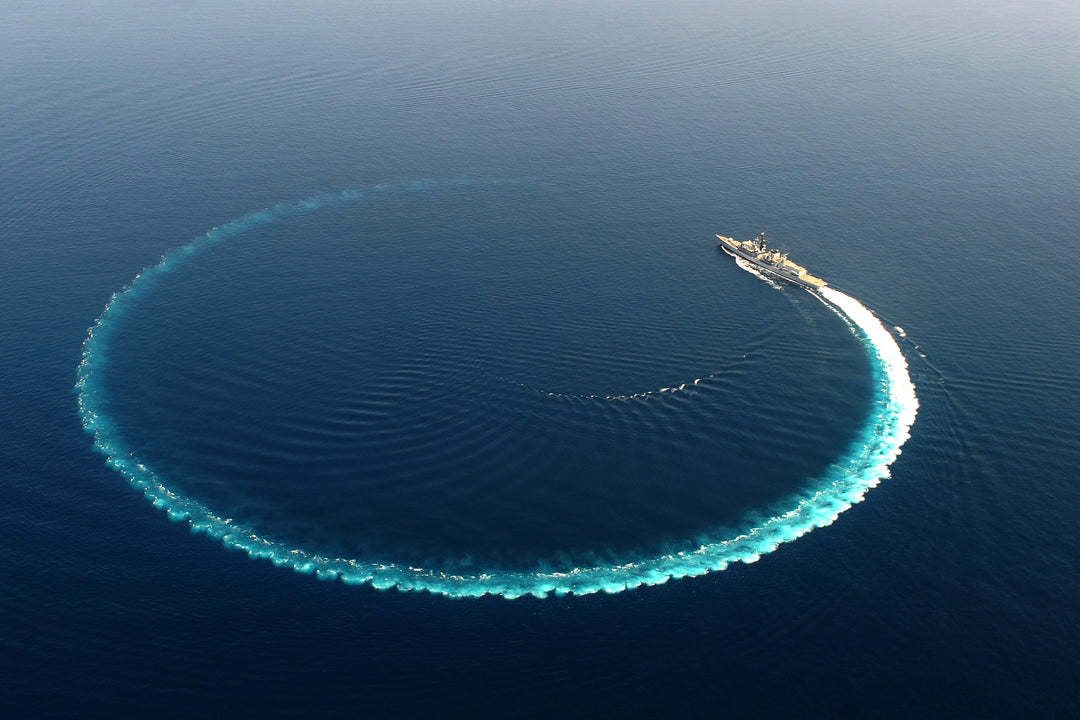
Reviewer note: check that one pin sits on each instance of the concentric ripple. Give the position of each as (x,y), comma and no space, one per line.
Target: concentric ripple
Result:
(845,482)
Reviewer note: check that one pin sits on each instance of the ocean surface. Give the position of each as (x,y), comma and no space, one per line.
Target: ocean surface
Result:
(378,359)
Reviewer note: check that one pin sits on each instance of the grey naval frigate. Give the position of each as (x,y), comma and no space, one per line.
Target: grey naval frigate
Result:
(772,262)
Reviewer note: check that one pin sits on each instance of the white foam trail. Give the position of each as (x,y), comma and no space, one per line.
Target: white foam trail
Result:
(775,284)
(643,395)
(845,483)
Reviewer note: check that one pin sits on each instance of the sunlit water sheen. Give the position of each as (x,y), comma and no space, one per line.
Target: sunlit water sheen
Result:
(547,367)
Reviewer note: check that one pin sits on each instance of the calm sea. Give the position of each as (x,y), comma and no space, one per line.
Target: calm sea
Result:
(413,313)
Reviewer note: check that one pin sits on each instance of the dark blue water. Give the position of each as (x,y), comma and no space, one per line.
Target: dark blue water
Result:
(477,336)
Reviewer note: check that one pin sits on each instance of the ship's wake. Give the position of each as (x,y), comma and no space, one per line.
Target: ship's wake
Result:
(771,282)
(685,387)
(864,464)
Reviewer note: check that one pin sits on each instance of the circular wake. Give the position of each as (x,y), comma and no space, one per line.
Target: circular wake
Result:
(845,482)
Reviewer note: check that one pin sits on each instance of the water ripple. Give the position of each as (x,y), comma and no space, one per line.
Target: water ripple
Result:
(365,426)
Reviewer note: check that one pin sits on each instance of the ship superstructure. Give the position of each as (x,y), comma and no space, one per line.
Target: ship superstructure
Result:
(774,262)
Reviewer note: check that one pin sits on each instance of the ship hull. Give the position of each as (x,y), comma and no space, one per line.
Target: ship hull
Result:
(770,270)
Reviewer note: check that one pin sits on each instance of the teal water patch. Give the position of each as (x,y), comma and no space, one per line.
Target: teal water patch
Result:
(865,463)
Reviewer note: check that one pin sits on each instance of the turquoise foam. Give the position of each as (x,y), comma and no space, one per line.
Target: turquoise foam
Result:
(863,466)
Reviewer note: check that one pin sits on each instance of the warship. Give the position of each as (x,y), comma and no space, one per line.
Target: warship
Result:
(773,262)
